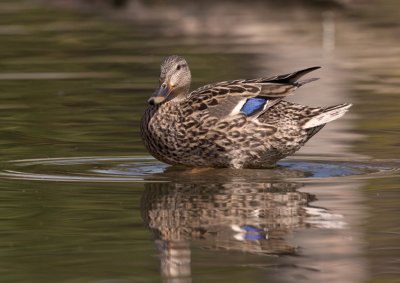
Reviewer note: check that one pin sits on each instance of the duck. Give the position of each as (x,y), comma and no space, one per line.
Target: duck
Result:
(243,123)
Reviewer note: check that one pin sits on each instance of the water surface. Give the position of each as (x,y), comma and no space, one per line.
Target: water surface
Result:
(82,201)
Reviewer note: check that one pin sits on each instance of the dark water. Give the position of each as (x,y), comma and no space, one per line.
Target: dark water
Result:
(82,201)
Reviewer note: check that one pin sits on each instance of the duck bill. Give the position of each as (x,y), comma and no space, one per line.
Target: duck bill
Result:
(160,95)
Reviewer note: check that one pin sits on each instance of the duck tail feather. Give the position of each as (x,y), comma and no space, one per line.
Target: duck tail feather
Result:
(306,81)
(329,114)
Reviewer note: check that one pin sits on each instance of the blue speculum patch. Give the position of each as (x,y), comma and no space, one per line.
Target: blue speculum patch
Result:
(253,105)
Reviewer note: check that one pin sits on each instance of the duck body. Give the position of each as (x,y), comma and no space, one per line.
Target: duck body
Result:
(238,124)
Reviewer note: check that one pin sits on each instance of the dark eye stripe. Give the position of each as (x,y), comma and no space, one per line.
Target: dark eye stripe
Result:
(180,66)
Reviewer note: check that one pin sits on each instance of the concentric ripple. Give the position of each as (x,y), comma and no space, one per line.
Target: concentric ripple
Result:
(83,169)
(148,169)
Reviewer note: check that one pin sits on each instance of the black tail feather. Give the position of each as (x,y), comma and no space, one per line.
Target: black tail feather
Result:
(306,81)
(312,131)
(293,77)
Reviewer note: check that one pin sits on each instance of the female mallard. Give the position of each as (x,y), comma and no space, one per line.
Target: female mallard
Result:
(239,124)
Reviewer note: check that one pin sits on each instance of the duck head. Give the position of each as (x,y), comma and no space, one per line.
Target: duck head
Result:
(175,78)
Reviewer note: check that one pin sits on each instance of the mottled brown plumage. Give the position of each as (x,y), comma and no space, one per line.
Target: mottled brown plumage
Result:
(212,126)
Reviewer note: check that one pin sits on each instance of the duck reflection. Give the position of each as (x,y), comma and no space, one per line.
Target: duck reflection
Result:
(247,217)
(226,211)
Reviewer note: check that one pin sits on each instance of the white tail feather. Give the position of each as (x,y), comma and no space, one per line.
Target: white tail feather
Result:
(331,113)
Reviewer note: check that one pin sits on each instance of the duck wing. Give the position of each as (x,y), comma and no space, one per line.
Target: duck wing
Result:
(250,97)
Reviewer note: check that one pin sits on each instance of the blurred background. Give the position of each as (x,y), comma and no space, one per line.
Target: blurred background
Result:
(81,198)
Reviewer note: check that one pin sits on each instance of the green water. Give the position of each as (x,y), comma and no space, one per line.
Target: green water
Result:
(82,201)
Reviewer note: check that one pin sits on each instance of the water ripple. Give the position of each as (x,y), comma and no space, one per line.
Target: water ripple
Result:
(148,169)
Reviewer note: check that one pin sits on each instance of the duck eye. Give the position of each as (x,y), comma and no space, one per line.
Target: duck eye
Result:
(178,67)
(164,85)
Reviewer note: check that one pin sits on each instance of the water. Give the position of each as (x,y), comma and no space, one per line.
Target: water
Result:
(82,201)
